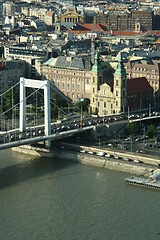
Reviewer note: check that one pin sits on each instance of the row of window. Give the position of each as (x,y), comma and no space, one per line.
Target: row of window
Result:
(63,71)
(68,86)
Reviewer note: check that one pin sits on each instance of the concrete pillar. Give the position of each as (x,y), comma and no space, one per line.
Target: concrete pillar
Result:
(47,119)
(45,85)
(22,117)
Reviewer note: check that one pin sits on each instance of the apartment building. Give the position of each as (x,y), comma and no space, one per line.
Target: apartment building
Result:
(119,20)
(10,73)
(150,69)
(30,55)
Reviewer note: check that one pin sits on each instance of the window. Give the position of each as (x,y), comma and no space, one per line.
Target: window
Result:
(116,103)
(116,82)
(93,90)
(124,93)
(68,86)
(93,99)
(78,87)
(111,106)
(124,83)
(63,85)
(98,104)
(116,93)
(93,79)
(73,86)
(104,104)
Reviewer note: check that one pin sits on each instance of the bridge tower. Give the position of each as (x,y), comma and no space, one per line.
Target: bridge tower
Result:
(45,85)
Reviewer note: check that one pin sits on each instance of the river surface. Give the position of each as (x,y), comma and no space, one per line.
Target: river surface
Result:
(52,199)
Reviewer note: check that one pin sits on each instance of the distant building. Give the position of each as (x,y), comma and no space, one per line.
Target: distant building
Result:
(150,69)
(30,55)
(10,73)
(49,18)
(127,21)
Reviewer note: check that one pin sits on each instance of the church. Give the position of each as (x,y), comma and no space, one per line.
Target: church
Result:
(108,98)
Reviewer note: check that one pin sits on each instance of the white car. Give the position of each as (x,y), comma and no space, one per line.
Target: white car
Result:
(101,154)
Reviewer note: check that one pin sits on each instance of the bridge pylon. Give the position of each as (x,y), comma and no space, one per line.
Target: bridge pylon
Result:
(39,84)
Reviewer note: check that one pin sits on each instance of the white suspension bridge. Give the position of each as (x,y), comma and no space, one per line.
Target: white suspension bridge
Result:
(14,128)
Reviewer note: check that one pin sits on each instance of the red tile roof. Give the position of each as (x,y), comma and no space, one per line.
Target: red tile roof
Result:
(138,86)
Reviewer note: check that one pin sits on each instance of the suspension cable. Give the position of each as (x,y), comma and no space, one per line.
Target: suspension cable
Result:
(21,101)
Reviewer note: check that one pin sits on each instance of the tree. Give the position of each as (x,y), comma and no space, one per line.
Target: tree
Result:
(134,128)
(151,131)
(83,105)
(8,101)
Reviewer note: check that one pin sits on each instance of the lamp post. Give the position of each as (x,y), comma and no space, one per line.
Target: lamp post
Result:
(128,113)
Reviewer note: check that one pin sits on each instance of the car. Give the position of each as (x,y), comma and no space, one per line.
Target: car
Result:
(82,151)
(110,145)
(142,151)
(116,157)
(101,154)
(157,165)
(137,139)
(90,152)
(128,139)
(107,155)
(136,161)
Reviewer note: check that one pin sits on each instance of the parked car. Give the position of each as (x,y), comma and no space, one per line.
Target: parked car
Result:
(101,154)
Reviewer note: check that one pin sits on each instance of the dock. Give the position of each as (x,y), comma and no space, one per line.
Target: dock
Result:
(144,182)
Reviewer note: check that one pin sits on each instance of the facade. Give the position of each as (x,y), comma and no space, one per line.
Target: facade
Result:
(150,69)
(70,74)
(70,17)
(8,8)
(10,73)
(49,18)
(108,98)
(29,55)
(127,21)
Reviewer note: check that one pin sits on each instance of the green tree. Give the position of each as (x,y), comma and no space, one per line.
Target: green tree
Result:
(83,105)
(134,128)
(7,99)
(151,131)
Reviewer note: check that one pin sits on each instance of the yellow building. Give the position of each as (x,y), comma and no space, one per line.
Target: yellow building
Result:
(108,99)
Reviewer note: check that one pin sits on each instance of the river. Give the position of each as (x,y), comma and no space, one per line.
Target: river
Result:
(52,199)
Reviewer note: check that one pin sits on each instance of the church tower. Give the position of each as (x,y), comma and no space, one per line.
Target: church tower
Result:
(92,50)
(57,24)
(120,86)
(96,81)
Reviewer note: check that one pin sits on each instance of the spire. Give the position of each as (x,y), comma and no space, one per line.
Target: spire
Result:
(97,66)
(120,68)
(92,50)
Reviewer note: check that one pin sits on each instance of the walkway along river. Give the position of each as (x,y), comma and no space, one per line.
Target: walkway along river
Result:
(85,155)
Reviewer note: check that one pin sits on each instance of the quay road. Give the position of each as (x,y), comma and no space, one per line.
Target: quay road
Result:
(119,155)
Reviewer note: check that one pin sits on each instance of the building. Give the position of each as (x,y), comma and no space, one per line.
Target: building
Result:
(108,98)
(10,73)
(30,55)
(118,20)
(70,74)
(49,18)
(150,69)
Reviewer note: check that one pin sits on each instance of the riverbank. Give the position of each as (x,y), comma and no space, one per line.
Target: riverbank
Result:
(85,158)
